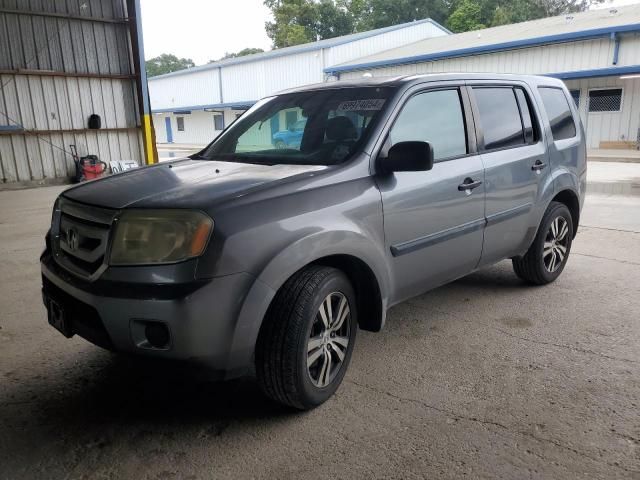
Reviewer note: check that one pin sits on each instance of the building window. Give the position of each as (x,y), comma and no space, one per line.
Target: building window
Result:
(558,112)
(605,100)
(180,122)
(575,94)
(218,122)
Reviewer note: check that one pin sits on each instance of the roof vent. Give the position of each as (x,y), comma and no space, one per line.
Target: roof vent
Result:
(568,18)
(613,11)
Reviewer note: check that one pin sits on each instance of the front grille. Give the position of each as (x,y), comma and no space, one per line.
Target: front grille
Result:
(80,236)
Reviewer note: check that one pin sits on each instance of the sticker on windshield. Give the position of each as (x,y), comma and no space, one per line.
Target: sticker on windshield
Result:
(361,105)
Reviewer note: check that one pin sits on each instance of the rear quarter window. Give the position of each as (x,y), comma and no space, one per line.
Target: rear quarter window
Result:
(557,107)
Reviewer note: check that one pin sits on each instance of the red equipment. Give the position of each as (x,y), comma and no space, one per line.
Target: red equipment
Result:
(87,168)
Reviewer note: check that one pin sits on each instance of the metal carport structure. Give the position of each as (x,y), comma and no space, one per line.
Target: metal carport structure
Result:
(61,62)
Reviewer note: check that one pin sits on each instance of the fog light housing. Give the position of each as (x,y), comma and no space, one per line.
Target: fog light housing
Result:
(157,335)
(150,334)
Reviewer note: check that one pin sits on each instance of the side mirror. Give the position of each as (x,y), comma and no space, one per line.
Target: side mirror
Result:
(407,157)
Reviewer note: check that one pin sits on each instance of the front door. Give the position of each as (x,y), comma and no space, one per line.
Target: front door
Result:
(516,167)
(433,222)
(167,126)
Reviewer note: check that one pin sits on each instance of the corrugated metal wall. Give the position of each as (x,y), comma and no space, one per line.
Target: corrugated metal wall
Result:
(379,43)
(610,126)
(250,81)
(60,62)
(555,58)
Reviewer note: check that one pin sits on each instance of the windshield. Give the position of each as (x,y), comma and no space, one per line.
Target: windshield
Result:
(322,127)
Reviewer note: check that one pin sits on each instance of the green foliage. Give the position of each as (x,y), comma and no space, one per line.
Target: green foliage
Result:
(241,53)
(466,17)
(167,63)
(372,14)
(301,21)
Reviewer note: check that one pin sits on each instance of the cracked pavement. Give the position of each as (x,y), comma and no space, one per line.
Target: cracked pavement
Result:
(483,378)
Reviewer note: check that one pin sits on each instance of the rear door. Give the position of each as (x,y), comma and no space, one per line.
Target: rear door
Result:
(516,166)
(433,226)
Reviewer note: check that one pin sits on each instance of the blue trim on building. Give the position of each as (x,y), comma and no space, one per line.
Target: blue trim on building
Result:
(496,47)
(307,47)
(169,130)
(598,72)
(232,105)
(616,47)
(11,128)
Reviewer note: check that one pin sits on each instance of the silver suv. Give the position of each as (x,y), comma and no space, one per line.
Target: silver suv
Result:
(254,254)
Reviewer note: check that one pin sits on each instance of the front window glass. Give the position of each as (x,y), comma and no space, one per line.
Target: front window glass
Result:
(435,117)
(321,127)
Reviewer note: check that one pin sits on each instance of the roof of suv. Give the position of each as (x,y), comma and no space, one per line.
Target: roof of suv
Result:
(395,81)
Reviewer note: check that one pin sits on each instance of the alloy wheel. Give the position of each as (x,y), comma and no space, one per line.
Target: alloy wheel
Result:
(328,339)
(556,244)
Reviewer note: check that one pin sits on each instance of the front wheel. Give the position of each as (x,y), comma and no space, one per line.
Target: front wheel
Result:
(307,338)
(280,145)
(548,254)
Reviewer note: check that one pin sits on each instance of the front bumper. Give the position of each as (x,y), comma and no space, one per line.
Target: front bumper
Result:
(201,317)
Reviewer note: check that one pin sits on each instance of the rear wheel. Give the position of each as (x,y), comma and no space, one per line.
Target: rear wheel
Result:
(548,254)
(307,338)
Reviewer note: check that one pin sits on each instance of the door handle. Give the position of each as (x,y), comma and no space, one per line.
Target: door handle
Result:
(469,184)
(538,166)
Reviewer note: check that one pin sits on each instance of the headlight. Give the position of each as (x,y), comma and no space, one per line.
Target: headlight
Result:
(159,236)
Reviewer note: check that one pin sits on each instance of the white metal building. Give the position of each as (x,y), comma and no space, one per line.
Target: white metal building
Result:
(596,52)
(194,105)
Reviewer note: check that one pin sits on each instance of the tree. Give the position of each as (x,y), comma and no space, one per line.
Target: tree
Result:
(241,53)
(371,14)
(167,63)
(333,19)
(294,22)
(302,21)
(466,17)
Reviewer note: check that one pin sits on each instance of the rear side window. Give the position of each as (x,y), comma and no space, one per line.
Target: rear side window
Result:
(435,117)
(500,117)
(557,107)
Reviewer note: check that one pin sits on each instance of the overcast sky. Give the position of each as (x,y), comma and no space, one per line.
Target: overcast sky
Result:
(205,30)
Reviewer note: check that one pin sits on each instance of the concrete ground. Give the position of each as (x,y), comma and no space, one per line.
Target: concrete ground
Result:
(483,378)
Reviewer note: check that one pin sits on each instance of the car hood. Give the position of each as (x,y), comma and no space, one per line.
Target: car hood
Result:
(183,184)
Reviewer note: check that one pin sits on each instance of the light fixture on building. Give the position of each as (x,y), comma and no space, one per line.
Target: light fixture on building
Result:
(629,77)
(367,75)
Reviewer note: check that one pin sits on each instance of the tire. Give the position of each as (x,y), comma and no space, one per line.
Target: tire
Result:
(284,341)
(547,256)
(280,145)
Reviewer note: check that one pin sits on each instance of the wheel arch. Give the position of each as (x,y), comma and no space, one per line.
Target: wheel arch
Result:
(570,199)
(366,286)
(353,253)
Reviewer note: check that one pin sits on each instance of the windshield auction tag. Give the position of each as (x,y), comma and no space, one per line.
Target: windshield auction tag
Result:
(361,105)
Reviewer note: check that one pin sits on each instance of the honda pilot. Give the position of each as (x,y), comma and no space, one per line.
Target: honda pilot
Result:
(262,257)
